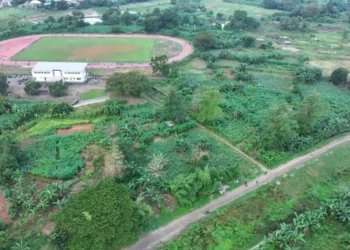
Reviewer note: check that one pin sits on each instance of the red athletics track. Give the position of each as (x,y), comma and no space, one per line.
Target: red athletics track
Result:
(11,47)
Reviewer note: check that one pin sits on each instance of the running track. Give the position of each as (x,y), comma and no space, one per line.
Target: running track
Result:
(11,47)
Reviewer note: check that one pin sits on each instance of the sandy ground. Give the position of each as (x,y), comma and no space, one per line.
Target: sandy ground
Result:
(75,128)
(4,217)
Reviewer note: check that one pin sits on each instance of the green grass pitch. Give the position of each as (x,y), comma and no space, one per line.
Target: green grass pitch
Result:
(97,49)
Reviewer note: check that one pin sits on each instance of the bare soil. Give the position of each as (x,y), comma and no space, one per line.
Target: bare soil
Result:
(101,51)
(48,228)
(75,129)
(4,216)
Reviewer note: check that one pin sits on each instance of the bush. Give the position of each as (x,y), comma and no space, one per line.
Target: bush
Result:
(99,162)
(58,89)
(205,41)
(131,83)
(339,76)
(32,88)
(98,218)
(248,41)
(61,109)
(309,75)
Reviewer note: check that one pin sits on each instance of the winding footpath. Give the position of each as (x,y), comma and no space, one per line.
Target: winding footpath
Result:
(175,227)
(11,47)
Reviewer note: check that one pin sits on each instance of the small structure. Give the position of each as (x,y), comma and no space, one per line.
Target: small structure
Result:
(34,4)
(60,71)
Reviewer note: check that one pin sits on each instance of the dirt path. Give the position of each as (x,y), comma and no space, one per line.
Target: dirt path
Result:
(4,216)
(175,227)
(75,129)
(11,47)
(224,140)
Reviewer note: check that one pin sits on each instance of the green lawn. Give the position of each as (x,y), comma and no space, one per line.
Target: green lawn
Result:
(92,94)
(92,49)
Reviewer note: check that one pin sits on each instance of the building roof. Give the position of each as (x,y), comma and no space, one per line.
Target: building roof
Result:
(64,66)
(35,2)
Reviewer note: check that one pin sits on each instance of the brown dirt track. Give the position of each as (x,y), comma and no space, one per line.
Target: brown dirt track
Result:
(11,47)
(75,129)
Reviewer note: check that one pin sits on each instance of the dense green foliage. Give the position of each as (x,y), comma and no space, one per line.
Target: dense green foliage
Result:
(32,88)
(10,158)
(244,223)
(209,110)
(131,83)
(175,107)
(339,76)
(104,218)
(59,157)
(58,89)
(3,84)
(61,109)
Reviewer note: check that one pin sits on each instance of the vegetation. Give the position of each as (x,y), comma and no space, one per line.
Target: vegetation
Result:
(260,78)
(131,83)
(58,89)
(32,88)
(3,84)
(339,76)
(105,218)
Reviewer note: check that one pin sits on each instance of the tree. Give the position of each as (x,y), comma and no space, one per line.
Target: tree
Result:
(78,15)
(3,84)
(209,109)
(116,29)
(100,217)
(205,41)
(10,157)
(175,107)
(248,41)
(62,5)
(308,111)
(131,83)
(61,109)
(240,20)
(279,125)
(159,63)
(339,76)
(58,89)
(32,88)
(5,107)
(309,75)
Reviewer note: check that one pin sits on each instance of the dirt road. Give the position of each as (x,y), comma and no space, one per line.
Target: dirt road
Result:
(174,228)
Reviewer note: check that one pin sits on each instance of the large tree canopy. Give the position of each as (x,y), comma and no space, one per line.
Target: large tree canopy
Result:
(175,107)
(99,218)
(209,109)
(3,84)
(131,83)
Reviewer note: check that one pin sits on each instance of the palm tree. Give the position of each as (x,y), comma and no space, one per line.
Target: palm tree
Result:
(21,245)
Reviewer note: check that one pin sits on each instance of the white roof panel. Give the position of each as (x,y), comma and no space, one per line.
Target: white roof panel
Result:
(64,66)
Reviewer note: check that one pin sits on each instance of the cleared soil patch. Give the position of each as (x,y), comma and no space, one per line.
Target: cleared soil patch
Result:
(4,216)
(75,129)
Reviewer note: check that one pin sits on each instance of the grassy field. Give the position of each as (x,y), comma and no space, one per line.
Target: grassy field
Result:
(92,49)
(92,94)
(245,222)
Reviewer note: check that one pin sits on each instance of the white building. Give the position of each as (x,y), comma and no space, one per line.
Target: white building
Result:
(61,71)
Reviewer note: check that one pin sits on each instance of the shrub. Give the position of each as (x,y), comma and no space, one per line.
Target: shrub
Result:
(205,41)
(99,162)
(339,76)
(248,41)
(32,88)
(61,109)
(309,75)
(58,89)
(100,217)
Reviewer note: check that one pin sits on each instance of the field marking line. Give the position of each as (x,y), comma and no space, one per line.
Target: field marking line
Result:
(174,228)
